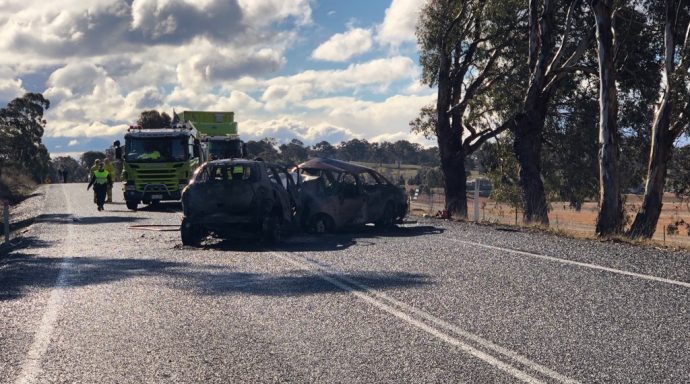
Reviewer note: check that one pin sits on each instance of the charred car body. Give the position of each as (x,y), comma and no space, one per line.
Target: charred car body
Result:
(235,197)
(338,194)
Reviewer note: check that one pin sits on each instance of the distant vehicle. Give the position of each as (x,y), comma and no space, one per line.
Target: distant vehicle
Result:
(217,133)
(238,197)
(157,163)
(337,194)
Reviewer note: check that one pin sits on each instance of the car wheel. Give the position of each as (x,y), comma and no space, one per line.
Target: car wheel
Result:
(191,235)
(321,224)
(387,220)
(132,205)
(272,229)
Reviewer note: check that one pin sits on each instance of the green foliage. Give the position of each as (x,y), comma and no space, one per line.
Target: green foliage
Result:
(154,119)
(294,152)
(21,130)
(678,180)
(89,158)
(428,177)
(502,169)
(75,172)
(264,148)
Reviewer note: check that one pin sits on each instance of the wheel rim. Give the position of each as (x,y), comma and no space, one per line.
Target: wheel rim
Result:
(320,226)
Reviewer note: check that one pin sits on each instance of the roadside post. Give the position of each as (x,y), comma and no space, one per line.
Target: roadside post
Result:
(476,199)
(6,220)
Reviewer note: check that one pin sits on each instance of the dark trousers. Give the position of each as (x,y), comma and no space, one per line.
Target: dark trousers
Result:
(100,191)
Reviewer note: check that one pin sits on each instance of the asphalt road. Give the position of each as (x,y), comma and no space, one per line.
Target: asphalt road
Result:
(113,297)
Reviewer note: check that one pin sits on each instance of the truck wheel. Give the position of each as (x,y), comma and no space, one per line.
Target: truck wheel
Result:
(387,220)
(132,205)
(191,235)
(272,229)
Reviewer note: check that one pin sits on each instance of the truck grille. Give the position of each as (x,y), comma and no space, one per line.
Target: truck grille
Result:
(165,177)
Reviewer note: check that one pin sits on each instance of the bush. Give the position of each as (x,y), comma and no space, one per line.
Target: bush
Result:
(15,185)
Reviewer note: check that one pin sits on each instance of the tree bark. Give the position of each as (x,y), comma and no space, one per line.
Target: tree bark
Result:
(527,147)
(662,140)
(610,218)
(450,146)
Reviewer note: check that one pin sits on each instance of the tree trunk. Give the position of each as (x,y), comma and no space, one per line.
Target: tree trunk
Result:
(648,215)
(610,218)
(527,148)
(450,147)
(662,141)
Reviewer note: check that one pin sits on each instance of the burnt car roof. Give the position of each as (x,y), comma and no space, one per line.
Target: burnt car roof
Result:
(333,165)
(234,161)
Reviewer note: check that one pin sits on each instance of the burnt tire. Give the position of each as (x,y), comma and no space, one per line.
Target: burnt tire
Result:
(191,234)
(320,224)
(132,205)
(272,230)
(387,220)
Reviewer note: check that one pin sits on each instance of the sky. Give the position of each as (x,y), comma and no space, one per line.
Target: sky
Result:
(306,69)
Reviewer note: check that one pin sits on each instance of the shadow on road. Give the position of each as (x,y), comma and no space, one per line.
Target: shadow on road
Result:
(162,207)
(23,272)
(321,243)
(65,218)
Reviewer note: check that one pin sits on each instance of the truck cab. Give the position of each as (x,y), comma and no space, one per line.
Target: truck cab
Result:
(158,163)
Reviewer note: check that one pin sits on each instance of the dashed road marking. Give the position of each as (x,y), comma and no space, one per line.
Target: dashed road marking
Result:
(576,263)
(405,312)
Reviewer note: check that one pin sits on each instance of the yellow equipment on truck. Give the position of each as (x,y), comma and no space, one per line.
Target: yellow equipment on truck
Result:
(217,133)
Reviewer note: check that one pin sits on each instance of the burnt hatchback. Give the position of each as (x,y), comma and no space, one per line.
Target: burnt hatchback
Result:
(337,194)
(236,198)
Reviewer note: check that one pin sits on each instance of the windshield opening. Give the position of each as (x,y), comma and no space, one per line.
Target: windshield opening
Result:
(225,149)
(156,149)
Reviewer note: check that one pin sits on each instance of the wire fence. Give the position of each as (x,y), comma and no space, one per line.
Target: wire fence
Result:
(673,227)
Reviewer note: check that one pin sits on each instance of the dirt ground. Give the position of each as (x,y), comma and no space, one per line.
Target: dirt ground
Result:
(571,221)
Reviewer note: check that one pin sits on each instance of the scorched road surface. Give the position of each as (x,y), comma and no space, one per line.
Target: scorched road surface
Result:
(113,297)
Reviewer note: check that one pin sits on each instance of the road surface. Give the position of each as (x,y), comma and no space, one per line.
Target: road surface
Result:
(113,297)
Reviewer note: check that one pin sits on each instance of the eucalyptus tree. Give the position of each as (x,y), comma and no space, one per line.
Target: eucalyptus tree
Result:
(672,113)
(464,51)
(559,37)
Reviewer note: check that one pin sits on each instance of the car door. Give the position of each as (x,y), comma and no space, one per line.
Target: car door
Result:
(280,187)
(352,200)
(374,193)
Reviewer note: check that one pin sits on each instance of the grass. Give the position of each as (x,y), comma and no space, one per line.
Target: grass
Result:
(15,186)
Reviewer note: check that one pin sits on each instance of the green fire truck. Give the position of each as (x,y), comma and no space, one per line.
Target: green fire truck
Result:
(217,133)
(158,163)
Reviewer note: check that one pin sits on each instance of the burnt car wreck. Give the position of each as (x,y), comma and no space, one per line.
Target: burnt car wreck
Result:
(337,194)
(237,197)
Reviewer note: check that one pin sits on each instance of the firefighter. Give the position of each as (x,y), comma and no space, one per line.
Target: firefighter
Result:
(93,169)
(100,180)
(111,171)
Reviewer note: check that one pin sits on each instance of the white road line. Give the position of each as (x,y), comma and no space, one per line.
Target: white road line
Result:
(577,263)
(449,327)
(31,367)
(370,297)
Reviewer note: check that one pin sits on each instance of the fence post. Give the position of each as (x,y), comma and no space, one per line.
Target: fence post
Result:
(476,199)
(6,220)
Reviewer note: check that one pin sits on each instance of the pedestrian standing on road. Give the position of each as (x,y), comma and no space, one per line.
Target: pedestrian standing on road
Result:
(93,169)
(111,170)
(100,179)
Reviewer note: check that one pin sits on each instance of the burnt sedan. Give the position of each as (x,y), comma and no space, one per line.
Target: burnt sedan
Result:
(337,194)
(237,197)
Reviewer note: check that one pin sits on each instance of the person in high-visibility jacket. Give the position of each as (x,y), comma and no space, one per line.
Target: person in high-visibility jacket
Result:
(111,170)
(93,169)
(100,180)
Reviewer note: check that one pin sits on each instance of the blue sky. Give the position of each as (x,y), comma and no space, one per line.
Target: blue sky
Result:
(307,69)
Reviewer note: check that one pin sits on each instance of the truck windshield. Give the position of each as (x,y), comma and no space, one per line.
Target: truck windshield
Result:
(159,149)
(225,149)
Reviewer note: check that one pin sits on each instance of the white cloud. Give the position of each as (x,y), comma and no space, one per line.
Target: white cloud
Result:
(343,46)
(399,25)
(10,88)
(73,142)
(376,75)
(287,128)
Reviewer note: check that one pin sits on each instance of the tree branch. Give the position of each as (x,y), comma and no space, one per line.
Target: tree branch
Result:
(566,34)
(485,135)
